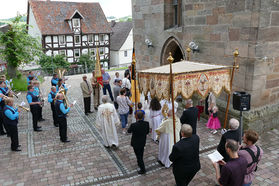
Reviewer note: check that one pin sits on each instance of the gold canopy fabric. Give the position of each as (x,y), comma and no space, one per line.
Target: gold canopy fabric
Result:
(188,77)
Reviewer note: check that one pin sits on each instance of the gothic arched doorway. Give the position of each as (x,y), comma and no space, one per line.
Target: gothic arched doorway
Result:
(173,46)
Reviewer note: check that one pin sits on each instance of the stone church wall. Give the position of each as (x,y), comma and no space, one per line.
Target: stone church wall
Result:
(218,27)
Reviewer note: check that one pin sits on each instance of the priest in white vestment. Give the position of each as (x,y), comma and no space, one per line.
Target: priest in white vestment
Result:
(166,138)
(107,119)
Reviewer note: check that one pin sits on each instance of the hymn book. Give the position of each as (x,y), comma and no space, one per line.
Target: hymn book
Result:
(215,156)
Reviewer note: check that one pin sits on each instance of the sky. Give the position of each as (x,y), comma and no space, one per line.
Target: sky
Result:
(117,8)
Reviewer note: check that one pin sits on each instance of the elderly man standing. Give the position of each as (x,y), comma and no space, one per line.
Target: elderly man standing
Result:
(106,79)
(232,133)
(107,118)
(86,92)
(190,115)
(185,156)
(166,138)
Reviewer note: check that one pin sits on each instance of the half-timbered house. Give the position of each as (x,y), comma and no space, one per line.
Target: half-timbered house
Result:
(70,29)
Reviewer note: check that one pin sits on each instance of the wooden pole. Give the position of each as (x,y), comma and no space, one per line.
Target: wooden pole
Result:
(135,81)
(235,53)
(170,60)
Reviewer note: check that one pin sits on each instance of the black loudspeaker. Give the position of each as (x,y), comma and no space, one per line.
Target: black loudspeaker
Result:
(241,101)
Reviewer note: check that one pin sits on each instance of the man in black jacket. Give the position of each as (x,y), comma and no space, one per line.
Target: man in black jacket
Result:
(190,115)
(185,156)
(139,131)
(232,133)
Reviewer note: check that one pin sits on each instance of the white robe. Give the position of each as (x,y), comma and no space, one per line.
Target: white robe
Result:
(107,119)
(166,141)
(155,121)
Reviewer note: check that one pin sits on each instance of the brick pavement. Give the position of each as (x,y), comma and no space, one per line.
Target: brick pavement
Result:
(44,160)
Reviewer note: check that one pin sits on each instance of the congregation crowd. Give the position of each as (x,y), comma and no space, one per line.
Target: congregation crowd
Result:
(179,151)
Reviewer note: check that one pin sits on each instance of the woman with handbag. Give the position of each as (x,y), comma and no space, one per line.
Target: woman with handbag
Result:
(123,108)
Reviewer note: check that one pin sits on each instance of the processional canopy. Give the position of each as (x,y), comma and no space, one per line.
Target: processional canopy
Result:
(188,77)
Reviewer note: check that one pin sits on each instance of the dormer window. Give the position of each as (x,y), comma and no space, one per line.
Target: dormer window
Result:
(76,23)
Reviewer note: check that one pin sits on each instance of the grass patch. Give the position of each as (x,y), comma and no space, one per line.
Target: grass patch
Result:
(20,84)
(120,68)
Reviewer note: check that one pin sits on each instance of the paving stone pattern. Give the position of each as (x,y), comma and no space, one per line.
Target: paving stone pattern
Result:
(44,160)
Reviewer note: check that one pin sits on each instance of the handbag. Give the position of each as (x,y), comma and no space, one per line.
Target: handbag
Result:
(130,110)
(130,107)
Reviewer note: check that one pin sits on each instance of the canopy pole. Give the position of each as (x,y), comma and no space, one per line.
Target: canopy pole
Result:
(170,60)
(235,53)
(188,50)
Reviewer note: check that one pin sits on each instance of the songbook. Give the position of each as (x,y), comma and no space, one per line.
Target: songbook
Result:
(215,156)
(22,103)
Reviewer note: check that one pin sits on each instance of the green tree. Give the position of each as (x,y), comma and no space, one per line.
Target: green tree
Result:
(18,47)
(86,61)
(50,64)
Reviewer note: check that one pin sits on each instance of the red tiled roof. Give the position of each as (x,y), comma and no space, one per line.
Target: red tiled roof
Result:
(51,17)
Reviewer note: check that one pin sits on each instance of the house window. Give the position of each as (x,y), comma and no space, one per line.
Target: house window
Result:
(62,52)
(77,39)
(102,51)
(77,53)
(125,53)
(76,23)
(90,38)
(62,40)
(92,52)
(101,37)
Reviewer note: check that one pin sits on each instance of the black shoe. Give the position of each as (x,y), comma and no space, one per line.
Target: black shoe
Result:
(17,149)
(38,130)
(38,127)
(56,125)
(141,171)
(42,119)
(90,112)
(96,108)
(160,163)
(114,147)
(86,114)
(66,141)
(2,133)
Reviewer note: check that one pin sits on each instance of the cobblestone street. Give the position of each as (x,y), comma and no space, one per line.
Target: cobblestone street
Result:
(44,160)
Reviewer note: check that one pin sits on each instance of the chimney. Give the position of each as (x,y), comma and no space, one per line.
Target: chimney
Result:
(113,23)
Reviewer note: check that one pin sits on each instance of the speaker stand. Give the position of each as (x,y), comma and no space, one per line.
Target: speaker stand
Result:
(241,127)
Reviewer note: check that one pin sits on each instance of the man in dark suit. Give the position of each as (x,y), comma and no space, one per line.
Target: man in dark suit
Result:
(139,131)
(232,133)
(185,156)
(190,115)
